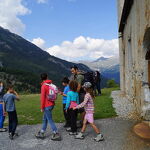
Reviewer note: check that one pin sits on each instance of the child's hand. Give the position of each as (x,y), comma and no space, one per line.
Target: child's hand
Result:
(15,92)
(42,110)
(74,108)
(61,93)
(4,114)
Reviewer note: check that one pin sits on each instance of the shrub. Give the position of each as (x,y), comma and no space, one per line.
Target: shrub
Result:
(111,83)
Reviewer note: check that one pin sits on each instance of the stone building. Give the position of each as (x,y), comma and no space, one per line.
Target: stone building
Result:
(134,51)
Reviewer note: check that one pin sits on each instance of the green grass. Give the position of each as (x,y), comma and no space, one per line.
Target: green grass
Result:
(28,108)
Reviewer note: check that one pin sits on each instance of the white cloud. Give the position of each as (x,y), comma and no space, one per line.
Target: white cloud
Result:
(39,42)
(9,12)
(85,48)
(41,1)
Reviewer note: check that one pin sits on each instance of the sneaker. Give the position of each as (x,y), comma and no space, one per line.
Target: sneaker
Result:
(3,129)
(99,138)
(11,136)
(72,133)
(40,135)
(16,134)
(56,137)
(68,129)
(79,136)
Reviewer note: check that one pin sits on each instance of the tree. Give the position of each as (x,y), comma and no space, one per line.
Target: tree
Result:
(111,83)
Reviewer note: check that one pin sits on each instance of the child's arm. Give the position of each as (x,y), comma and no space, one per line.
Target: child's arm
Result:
(82,104)
(43,96)
(63,94)
(1,87)
(4,111)
(17,96)
(68,101)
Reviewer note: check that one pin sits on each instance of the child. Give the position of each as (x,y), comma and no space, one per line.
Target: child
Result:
(89,109)
(72,101)
(65,83)
(2,110)
(47,106)
(9,100)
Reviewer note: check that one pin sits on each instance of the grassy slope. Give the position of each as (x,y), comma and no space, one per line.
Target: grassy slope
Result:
(29,108)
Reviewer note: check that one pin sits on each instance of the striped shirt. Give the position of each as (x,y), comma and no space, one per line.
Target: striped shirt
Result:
(88,104)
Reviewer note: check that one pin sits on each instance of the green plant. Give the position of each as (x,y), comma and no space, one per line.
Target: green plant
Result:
(111,83)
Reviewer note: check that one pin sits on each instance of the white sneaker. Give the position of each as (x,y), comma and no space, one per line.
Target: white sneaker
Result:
(72,133)
(56,137)
(68,129)
(40,135)
(79,136)
(99,138)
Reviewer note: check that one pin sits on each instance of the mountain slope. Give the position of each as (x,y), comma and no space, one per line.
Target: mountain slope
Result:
(109,67)
(112,73)
(19,55)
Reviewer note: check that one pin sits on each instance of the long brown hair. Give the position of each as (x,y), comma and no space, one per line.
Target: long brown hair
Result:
(73,85)
(90,91)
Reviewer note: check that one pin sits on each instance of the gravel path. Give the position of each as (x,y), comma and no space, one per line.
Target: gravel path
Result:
(117,132)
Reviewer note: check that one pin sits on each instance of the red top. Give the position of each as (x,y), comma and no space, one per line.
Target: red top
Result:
(45,91)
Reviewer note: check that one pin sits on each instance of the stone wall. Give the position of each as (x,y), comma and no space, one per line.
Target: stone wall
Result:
(133,66)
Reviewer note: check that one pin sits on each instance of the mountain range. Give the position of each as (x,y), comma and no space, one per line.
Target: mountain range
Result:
(22,62)
(109,67)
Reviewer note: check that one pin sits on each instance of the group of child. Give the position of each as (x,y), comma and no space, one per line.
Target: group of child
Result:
(70,109)
(71,106)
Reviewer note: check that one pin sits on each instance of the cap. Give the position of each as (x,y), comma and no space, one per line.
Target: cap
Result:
(87,85)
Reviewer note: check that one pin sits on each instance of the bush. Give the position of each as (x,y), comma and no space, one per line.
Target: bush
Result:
(111,83)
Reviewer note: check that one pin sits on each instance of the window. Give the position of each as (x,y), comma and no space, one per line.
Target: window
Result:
(148,58)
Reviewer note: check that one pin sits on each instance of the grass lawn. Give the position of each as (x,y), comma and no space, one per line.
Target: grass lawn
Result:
(28,108)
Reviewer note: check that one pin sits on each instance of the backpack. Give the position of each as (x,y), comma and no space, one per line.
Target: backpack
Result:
(52,94)
(89,77)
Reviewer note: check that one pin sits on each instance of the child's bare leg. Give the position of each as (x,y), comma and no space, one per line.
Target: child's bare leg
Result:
(84,126)
(95,128)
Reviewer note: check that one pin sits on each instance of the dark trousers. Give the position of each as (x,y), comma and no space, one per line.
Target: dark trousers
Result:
(66,115)
(81,99)
(98,88)
(73,119)
(13,121)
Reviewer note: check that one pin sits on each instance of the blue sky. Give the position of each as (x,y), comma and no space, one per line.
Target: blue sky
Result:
(50,23)
(59,20)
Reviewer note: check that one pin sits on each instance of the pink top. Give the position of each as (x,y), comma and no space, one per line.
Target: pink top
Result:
(73,104)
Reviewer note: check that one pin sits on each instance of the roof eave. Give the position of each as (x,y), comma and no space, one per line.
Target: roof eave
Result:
(125,13)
